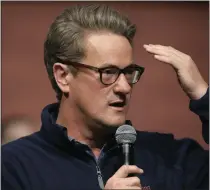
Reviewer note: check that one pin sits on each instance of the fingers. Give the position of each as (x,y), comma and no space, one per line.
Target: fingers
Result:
(162,58)
(156,49)
(120,180)
(188,74)
(132,181)
(168,55)
(134,187)
(127,169)
(163,50)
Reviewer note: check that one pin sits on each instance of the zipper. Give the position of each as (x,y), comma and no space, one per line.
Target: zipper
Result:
(100,179)
(98,170)
(99,174)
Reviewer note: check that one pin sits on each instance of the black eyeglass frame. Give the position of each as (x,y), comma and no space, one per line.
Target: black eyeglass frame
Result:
(101,70)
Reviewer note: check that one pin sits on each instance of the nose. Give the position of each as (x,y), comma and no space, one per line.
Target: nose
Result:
(121,85)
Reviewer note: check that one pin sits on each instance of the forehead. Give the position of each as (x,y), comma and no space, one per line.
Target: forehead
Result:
(107,48)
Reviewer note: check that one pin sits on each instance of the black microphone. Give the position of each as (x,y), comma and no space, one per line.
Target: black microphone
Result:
(126,136)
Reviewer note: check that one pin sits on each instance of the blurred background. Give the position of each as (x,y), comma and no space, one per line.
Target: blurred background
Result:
(158,103)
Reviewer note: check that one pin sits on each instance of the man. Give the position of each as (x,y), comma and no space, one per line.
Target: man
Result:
(89,59)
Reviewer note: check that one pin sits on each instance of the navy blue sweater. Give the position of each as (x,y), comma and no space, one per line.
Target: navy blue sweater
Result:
(49,160)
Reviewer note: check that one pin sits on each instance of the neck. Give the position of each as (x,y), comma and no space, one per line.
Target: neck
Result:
(79,129)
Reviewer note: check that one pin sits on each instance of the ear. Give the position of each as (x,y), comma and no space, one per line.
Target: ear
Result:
(62,76)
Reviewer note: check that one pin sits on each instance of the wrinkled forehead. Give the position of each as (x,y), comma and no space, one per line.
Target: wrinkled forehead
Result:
(108,49)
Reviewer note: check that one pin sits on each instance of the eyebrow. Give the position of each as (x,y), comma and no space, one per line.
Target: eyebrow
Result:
(112,65)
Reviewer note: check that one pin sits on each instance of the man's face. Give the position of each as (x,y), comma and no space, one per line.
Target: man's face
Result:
(104,104)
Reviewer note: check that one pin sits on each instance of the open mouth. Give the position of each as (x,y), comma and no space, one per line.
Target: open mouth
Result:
(118,104)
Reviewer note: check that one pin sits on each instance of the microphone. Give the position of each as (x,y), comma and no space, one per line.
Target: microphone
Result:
(126,136)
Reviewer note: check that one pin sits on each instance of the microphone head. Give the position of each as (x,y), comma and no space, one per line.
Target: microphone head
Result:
(125,134)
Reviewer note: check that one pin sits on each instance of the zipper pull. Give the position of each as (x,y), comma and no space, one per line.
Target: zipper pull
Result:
(100,179)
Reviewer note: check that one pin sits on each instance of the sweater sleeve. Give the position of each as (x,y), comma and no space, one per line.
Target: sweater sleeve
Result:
(195,165)
(201,108)
(191,158)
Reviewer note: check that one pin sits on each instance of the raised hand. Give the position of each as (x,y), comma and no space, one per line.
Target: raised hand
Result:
(188,74)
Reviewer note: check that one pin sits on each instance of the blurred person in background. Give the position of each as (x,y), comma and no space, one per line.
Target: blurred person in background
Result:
(16,126)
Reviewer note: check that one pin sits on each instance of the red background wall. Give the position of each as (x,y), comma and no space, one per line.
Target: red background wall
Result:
(158,103)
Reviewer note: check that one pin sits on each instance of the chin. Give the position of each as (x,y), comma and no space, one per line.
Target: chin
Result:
(110,125)
(115,121)
(111,119)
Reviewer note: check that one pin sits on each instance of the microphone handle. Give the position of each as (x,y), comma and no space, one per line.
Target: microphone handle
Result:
(128,154)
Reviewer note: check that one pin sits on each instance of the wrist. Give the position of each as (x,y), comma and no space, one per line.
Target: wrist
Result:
(199,92)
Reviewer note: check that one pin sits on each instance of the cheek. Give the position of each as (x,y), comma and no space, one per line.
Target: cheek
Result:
(90,94)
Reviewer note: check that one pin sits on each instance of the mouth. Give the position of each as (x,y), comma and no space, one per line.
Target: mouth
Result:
(120,105)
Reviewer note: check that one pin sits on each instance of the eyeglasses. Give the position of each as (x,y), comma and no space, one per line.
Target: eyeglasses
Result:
(110,74)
